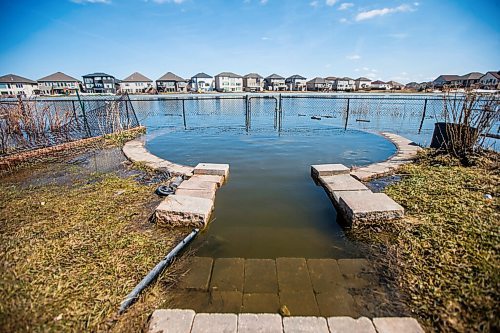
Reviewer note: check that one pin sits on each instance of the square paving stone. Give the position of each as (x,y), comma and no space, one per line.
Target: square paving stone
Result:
(293,274)
(261,303)
(171,321)
(357,273)
(325,274)
(225,302)
(305,325)
(228,274)
(260,276)
(300,303)
(259,323)
(396,325)
(348,324)
(336,302)
(215,323)
(193,300)
(198,276)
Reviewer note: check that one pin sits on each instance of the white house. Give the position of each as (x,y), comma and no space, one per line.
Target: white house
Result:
(58,83)
(202,82)
(381,85)
(330,81)
(228,82)
(344,83)
(136,83)
(14,85)
(490,80)
(296,83)
(363,83)
(275,82)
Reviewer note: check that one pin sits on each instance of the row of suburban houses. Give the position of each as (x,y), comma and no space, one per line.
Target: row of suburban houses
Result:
(136,83)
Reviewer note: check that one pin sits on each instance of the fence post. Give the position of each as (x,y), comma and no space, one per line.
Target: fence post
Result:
(184,114)
(85,122)
(246,112)
(423,116)
(128,117)
(347,115)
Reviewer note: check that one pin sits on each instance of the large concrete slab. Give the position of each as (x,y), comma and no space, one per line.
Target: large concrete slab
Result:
(397,325)
(319,170)
(342,183)
(212,169)
(183,211)
(305,325)
(261,303)
(218,180)
(364,206)
(225,301)
(228,274)
(293,274)
(260,276)
(348,324)
(215,323)
(325,274)
(336,302)
(198,276)
(207,194)
(198,184)
(171,321)
(300,303)
(259,323)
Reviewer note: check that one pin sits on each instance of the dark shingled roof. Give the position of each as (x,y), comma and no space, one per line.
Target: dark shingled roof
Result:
(378,82)
(12,78)
(317,80)
(253,76)
(362,79)
(97,74)
(472,76)
(296,77)
(58,77)
(171,77)
(331,78)
(229,74)
(136,77)
(447,77)
(202,76)
(275,76)
(495,74)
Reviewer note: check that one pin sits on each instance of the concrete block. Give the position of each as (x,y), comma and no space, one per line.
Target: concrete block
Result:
(300,303)
(305,325)
(218,180)
(171,321)
(364,206)
(259,323)
(212,169)
(260,276)
(228,274)
(397,325)
(207,194)
(348,324)
(325,274)
(184,211)
(363,174)
(336,302)
(198,276)
(261,303)
(225,301)
(293,274)
(215,323)
(195,300)
(342,183)
(319,170)
(197,184)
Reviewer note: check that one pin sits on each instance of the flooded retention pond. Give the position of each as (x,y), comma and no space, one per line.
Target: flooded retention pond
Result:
(270,207)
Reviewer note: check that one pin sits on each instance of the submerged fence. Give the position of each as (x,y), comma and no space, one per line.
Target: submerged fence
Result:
(36,123)
(45,122)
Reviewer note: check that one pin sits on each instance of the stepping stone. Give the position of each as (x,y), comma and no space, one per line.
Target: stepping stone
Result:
(225,301)
(189,299)
(196,193)
(260,276)
(305,325)
(212,169)
(198,184)
(342,183)
(325,274)
(218,180)
(348,324)
(363,175)
(397,325)
(215,323)
(261,303)
(199,274)
(259,323)
(183,211)
(337,302)
(300,303)
(320,170)
(293,274)
(171,321)
(228,274)
(365,206)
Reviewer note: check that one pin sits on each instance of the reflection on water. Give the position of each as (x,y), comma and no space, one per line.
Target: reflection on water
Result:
(271,207)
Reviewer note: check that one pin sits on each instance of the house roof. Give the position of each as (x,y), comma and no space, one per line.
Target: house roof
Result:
(362,79)
(394,83)
(253,76)
(495,74)
(202,76)
(97,74)
(169,76)
(317,80)
(378,82)
(275,76)
(12,78)
(296,77)
(347,78)
(447,77)
(136,77)
(472,76)
(58,77)
(331,78)
(229,74)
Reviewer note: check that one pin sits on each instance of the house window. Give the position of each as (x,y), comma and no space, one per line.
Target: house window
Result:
(19,85)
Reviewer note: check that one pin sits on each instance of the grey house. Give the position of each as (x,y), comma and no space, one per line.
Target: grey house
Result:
(317,84)
(253,82)
(171,83)
(99,83)
(58,83)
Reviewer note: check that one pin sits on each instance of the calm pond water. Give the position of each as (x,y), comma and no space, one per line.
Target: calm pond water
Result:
(270,207)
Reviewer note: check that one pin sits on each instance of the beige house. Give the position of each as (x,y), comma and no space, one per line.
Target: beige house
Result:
(58,83)
(253,82)
(228,82)
(15,85)
(136,83)
(171,83)
(317,84)
(490,80)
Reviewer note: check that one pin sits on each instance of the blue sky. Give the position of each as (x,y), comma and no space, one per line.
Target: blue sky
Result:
(400,40)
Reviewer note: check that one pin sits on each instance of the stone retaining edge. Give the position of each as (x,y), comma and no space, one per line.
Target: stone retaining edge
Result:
(406,153)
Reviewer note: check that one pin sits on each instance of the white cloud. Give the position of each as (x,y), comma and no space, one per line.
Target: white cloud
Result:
(345,5)
(330,2)
(344,20)
(353,57)
(383,11)
(265,38)
(91,1)
(263,2)
(314,4)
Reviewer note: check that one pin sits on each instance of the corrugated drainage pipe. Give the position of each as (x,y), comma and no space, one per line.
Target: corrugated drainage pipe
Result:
(155,272)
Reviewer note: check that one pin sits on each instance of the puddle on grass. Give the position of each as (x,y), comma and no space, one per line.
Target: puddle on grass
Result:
(379,184)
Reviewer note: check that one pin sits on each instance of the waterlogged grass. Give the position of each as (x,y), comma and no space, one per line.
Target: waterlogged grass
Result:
(70,253)
(444,255)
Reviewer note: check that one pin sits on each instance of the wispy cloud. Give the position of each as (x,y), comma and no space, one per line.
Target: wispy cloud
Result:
(353,57)
(383,11)
(344,20)
(314,4)
(345,5)
(91,1)
(330,2)
(265,38)
(263,2)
